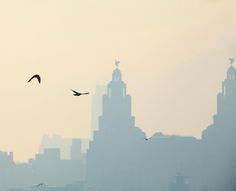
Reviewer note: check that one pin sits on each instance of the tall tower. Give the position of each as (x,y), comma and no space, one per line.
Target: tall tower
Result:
(116,111)
(218,140)
(224,121)
(114,152)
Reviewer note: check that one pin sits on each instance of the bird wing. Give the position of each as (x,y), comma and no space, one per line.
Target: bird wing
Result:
(31,79)
(75,91)
(86,93)
(38,77)
(35,76)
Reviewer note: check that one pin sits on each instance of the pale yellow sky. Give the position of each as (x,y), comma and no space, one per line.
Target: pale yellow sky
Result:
(174,55)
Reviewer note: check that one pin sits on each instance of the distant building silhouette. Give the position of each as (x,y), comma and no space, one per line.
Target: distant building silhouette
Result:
(113,154)
(50,169)
(47,167)
(218,140)
(64,144)
(119,157)
(49,155)
(6,157)
(56,141)
(118,142)
(7,169)
(223,127)
(97,106)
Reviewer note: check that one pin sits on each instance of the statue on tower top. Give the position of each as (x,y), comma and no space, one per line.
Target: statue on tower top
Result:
(231,61)
(117,62)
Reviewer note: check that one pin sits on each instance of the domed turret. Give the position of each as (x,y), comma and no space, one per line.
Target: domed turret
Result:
(116,88)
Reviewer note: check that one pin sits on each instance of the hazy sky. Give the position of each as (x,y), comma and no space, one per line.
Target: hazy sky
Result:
(174,55)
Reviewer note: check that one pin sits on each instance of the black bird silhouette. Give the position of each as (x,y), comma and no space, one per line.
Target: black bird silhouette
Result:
(35,76)
(78,93)
(147,139)
(41,184)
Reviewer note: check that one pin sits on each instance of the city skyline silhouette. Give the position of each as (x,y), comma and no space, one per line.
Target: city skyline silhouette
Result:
(117,95)
(170,47)
(119,158)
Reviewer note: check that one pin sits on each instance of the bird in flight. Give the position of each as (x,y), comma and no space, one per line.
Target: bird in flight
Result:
(147,139)
(78,93)
(41,184)
(36,76)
